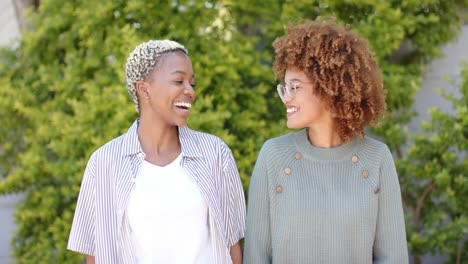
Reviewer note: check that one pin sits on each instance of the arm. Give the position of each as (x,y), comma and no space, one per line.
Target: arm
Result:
(82,232)
(90,259)
(236,254)
(236,204)
(258,237)
(390,236)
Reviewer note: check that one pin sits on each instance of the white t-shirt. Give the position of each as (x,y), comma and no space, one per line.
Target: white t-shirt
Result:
(168,216)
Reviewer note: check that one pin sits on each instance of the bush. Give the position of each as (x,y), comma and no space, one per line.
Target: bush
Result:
(436,175)
(62,91)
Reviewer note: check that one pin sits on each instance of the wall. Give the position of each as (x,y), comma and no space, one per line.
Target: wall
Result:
(9,32)
(427,97)
(7,225)
(447,66)
(9,26)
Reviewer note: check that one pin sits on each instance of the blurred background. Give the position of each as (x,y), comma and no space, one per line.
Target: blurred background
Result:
(63,94)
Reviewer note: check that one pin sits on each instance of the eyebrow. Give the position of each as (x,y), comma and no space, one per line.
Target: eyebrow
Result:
(296,80)
(180,72)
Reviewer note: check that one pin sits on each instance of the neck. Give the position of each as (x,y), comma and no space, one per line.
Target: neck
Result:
(324,136)
(160,142)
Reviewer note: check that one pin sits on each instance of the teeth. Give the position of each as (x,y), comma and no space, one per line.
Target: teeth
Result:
(183,104)
(291,109)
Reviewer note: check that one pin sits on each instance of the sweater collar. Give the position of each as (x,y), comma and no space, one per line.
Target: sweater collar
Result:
(335,153)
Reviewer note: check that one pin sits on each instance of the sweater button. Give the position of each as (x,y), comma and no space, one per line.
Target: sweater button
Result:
(365,174)
(287,171)
(377,190)
(354,159)
(279,189)
(298,156)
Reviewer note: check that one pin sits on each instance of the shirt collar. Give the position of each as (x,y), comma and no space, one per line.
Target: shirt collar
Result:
(189,142)
(187,138)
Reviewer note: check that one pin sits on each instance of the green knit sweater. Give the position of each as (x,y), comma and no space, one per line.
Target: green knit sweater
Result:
(324,205)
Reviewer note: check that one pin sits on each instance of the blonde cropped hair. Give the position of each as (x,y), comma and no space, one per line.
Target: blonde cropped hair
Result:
(143,60)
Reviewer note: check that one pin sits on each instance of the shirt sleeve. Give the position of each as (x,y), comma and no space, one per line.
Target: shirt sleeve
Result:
(258,235)
(82,232)
(236,198)
(390,244)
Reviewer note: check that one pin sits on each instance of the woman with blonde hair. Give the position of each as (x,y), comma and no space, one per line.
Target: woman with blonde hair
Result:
(160,193)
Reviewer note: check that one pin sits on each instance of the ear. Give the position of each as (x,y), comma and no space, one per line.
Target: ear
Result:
(142,89)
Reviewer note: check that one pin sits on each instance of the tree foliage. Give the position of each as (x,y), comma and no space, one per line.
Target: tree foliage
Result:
(436,177)
(62,91)
(63,95)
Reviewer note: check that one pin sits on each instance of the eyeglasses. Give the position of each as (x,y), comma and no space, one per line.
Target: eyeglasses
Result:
(289,89)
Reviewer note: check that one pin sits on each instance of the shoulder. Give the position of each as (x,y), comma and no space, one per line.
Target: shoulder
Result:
(275,149)
(110,149)
(281,142)
(202,137)
(375,152)
(374,147)
(204,141)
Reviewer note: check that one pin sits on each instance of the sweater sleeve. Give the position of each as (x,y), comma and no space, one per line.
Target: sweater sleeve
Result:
(390,236)
(258,236)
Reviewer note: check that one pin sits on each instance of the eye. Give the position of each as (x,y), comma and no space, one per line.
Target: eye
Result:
(193,85)
(179,82)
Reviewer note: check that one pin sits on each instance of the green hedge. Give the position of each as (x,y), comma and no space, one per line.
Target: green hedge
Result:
(62,91)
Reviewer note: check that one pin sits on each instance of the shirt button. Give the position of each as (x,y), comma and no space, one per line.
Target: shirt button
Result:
(298,156)
(287,171)
(377,190)
(365,174)
(120,212)
(279,189)
(354,159)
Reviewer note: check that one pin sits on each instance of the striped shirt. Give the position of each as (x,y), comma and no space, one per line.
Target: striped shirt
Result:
(100,225)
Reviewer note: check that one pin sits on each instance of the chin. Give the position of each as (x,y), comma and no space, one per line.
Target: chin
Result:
(181,123)
(293,125)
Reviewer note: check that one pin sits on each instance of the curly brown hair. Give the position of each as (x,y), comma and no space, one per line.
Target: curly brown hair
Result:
(341,67)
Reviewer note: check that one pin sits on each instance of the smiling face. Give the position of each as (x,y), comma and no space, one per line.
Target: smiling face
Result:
(305,109)
(167,94)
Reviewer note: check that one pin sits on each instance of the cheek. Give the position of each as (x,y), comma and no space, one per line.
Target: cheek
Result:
(317,102)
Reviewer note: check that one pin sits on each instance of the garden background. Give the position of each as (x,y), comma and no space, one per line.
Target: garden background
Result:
(62,95)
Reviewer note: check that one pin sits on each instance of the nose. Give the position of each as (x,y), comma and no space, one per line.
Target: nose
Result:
(286,98)
(189,91)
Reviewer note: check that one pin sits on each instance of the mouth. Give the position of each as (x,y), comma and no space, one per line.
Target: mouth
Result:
(290,110)
(184,106)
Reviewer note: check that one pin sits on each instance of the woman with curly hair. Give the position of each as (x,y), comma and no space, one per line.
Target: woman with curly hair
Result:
(326,193)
